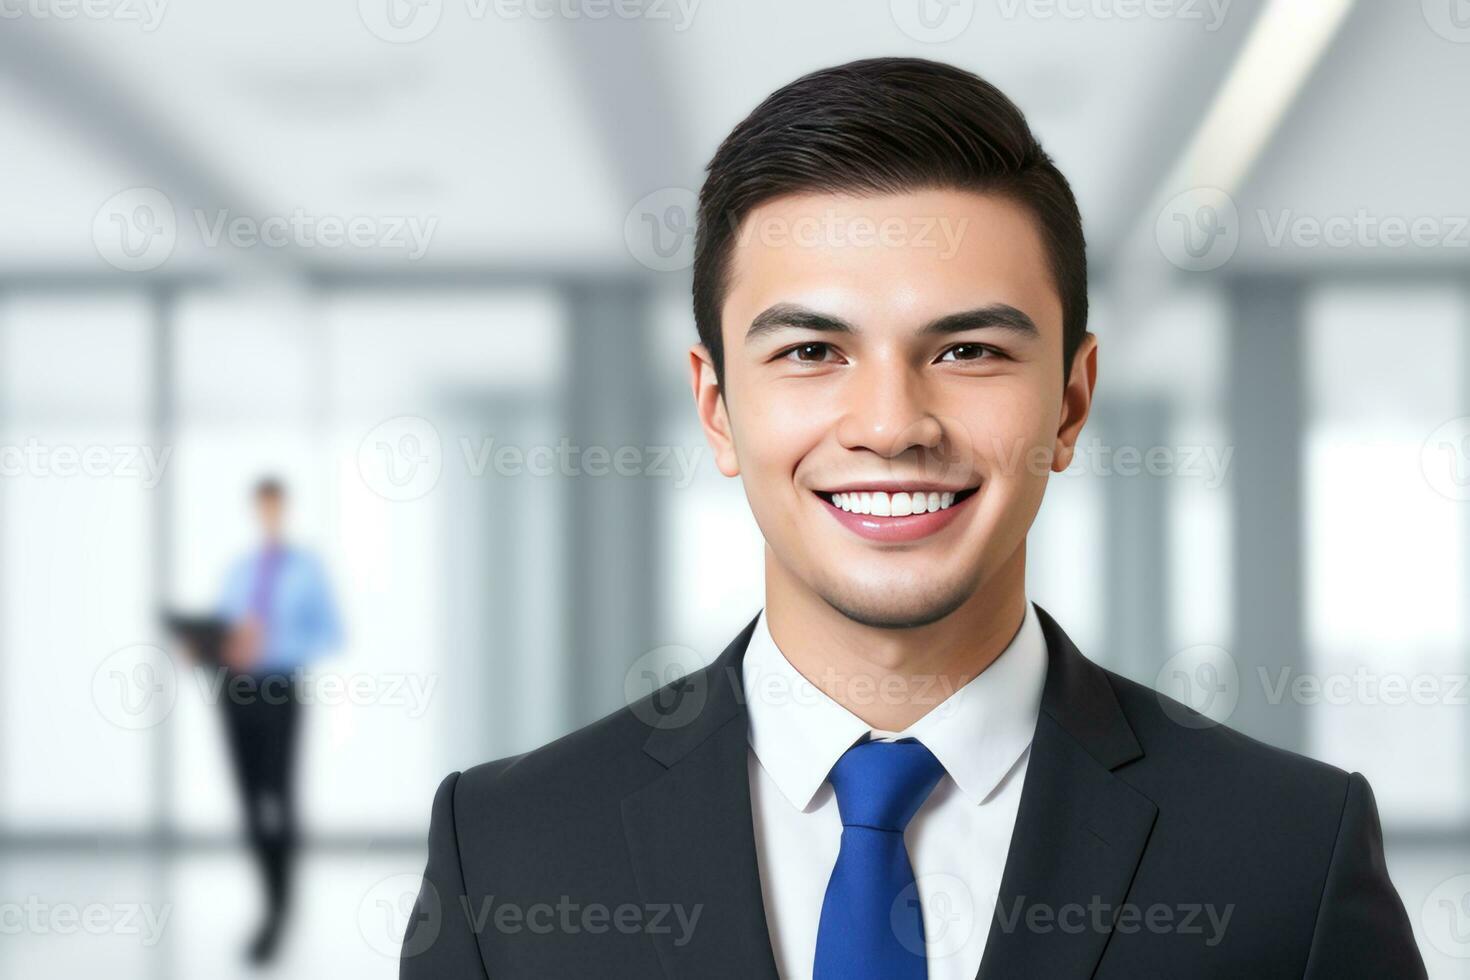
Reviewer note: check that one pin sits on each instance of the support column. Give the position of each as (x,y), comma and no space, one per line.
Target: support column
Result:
(612,527)
(1267,415)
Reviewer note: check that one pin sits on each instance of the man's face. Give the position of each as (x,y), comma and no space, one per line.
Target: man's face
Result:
(888,354)
(271,511)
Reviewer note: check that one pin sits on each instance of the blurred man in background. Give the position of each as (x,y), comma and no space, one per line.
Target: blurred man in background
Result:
(281,615)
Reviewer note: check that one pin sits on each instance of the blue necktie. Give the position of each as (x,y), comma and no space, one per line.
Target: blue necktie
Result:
(872,926)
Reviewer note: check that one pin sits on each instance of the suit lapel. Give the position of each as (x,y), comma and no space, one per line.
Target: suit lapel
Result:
(1080,830)
(690,832)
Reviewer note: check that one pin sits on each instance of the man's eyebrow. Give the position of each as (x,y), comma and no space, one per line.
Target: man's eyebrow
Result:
(790,315)
(1001,316)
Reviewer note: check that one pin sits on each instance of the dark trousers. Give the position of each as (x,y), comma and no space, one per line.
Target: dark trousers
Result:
(262,716)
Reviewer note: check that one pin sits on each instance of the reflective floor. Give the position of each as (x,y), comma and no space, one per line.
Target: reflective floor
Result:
(78,914)
(131,918)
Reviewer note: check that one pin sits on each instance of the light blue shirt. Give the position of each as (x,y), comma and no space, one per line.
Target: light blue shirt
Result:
(302,624)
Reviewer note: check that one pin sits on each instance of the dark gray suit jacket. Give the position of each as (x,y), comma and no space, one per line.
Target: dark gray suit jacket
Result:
(1143,848)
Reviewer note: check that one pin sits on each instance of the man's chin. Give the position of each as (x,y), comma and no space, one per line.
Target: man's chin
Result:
(894,611)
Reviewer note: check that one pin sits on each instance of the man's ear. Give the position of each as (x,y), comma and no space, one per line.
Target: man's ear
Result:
(709,401)
(1076,402)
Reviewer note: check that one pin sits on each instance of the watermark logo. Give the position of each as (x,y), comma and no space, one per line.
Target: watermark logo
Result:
(148,14)
(136,687)
(1204,678)
(932,21)
(408,692)
(400,21)
(1202,919)
(1211,13)
(402,458)
(1450,19)
(1363,230)
(667,687)
(1446,917)
(945,907)
(38,460)
(1445,459)
(1362,686)
(136,229)
(943,452)
(36,917)
(1198,230)
(835,229)
(397,917)
(566,459)
(659,229)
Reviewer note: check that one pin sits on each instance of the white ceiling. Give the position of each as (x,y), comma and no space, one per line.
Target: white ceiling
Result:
(528,140)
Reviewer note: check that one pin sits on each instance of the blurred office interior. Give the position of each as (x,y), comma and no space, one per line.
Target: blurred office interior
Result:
(521,177)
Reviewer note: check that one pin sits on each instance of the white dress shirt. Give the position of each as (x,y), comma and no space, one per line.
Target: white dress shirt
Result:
(958,840)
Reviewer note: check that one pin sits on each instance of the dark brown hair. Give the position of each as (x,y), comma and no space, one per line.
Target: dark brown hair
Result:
(269,488)
(884,125)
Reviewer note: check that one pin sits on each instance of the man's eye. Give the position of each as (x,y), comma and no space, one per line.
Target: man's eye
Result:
(813,353)
(968,352)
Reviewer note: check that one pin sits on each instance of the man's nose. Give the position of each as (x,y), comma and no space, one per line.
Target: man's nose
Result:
(888,413)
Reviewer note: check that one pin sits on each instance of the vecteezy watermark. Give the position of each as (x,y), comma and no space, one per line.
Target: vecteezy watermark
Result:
(1363,230)
(1445,917)
(147,14)
(938,693)
(400,915)
(1362,686)
(386,689)
(1198,230)
(1210,13)
(1202,685)
(932,21)
(135,687)
(1450,19)
(1203,919)
(34,916)
(1207,463)
(833,230)
(1444,458)
(659,229)
(138,229)
(301,229)
(676,463)
(1199,686)
(947,908)
(566,917)
(406,21)
(403,458)
(146,464)
(667,687)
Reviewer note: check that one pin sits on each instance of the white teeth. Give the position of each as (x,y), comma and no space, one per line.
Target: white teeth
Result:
(899,504)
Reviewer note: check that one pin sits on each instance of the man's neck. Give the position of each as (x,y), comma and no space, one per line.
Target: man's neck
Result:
(890,678)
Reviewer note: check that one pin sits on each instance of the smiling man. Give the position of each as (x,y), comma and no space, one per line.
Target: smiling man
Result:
(900,767)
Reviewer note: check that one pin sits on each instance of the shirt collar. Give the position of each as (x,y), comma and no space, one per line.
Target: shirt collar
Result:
(977,733)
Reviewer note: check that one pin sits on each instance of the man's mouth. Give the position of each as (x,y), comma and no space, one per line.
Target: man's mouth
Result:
(895,503)
(895,514)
